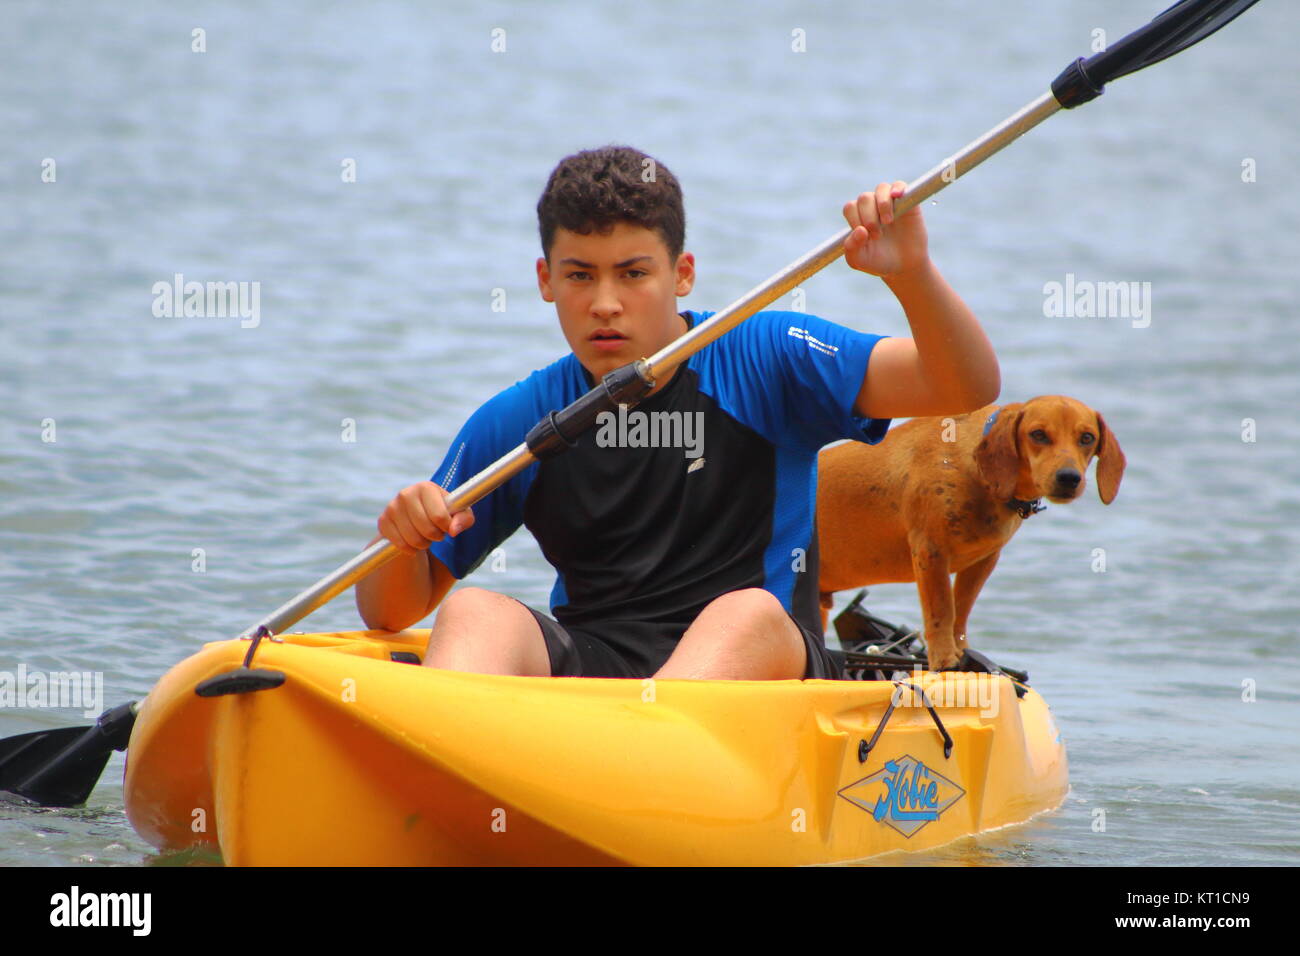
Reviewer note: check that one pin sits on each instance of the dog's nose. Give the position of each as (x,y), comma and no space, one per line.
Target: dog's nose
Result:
(1067,479)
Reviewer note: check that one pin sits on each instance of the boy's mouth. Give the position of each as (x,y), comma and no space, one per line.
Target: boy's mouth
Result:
(607,339)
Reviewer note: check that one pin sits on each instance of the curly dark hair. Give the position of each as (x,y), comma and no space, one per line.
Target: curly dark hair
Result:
(594,190)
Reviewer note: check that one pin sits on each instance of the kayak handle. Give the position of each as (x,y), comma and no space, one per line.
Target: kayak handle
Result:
(864,748)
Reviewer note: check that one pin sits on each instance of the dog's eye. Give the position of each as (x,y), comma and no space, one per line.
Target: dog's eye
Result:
(1039,436)
(1087,438)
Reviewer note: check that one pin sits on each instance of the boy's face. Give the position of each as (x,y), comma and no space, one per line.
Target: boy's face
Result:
(616,294)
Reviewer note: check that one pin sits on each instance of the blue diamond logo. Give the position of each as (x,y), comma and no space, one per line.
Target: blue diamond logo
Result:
(906,794)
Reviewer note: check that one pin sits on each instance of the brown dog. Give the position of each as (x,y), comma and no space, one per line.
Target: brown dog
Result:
(944,495)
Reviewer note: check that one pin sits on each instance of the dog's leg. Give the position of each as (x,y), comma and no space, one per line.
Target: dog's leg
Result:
(965,590)
(934,587)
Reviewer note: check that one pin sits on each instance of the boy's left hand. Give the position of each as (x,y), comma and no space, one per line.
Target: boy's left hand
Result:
(880,244)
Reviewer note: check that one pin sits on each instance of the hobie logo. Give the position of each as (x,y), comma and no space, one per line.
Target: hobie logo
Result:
(906,795)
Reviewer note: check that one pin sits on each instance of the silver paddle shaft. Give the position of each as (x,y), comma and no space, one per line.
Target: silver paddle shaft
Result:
(813,262)
(381,552)
(674,354)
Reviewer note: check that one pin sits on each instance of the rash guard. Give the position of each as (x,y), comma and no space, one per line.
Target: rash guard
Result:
(646,527)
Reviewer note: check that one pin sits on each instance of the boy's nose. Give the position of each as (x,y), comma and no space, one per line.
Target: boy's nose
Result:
(606,304)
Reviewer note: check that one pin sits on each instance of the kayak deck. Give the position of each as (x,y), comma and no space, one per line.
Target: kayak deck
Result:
(358,760)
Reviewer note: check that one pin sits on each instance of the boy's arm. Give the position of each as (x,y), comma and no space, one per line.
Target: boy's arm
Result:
(419,524)
(948,366)
(410,586)
(403,592)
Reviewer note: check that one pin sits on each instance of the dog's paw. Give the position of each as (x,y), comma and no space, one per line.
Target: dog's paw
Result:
(941,658)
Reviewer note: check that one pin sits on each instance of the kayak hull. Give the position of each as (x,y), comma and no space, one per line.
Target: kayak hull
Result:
(359,760)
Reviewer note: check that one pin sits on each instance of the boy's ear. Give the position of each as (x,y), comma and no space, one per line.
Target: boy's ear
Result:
(685,273)
(544,280)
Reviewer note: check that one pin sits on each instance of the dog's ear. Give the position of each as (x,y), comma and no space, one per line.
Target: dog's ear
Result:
(998,454)
(1110,462)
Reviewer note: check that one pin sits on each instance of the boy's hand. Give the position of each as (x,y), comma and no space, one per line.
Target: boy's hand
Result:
(880,244)
(418,516)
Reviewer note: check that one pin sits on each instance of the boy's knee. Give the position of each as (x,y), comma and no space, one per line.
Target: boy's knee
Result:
(752,607)
(753,618)
(486,632)
(743,635)
(473,602)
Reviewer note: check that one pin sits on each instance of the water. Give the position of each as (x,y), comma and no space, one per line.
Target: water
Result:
(178,434)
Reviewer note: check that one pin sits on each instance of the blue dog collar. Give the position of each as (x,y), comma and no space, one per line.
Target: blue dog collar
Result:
(992,418)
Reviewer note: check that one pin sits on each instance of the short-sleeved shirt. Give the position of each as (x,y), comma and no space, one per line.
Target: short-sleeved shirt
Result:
(707,486)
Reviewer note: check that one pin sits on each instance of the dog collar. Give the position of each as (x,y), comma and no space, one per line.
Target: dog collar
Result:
(1026,508)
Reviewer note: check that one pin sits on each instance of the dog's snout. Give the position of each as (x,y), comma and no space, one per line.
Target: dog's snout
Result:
(1067,479)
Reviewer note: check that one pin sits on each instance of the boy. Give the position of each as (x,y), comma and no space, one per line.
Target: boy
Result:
(672,563)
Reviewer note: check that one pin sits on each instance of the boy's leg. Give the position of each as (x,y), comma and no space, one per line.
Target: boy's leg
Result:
(742,635)
(487,633)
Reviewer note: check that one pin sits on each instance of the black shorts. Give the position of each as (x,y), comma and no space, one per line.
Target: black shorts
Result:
(579,652)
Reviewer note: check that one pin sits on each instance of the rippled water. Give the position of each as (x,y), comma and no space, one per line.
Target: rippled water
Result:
(176,434)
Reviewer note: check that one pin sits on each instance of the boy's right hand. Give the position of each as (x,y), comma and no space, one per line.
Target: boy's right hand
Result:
(418,516)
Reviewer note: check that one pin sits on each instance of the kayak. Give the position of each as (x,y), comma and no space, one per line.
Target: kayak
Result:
(356,756)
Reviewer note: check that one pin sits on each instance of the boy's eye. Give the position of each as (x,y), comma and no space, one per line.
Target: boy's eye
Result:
(582,275)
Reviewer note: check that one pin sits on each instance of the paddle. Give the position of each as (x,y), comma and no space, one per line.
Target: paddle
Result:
(59,768)
(1174,30)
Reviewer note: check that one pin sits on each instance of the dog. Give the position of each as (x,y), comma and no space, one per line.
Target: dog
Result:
(940,496)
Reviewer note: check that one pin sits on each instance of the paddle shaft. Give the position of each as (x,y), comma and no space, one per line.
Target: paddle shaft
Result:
(673,354)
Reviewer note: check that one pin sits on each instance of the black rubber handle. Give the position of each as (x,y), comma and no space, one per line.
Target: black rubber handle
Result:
(559,431)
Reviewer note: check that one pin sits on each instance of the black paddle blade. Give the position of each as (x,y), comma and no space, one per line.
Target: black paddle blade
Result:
(59,768)
(1182,25)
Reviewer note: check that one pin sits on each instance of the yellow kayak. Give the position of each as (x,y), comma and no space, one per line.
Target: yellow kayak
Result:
(359,759)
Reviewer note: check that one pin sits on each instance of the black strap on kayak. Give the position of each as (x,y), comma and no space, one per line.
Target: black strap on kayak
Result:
(892,662)
(262,632)
(972,661)
(864,748)
(858,629)
(868,641)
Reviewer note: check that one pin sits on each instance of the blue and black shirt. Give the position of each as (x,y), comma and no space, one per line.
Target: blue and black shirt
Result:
(643,537)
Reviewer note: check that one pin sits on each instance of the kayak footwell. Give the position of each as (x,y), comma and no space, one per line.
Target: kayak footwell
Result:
(357,760)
